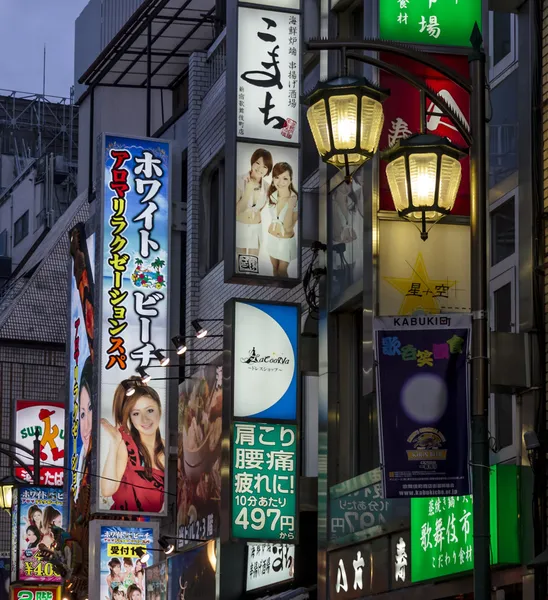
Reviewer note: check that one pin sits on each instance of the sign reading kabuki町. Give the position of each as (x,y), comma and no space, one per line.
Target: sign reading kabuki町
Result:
(134,320)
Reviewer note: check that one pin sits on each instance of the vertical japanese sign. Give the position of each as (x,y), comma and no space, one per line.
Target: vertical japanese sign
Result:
(199,455)
(423,395)
(116,569)
(269,564)
(402,111)
(134,323)
(262,187)
(80,342)
(429,21)
(264,481)
(49,418)
(40,519)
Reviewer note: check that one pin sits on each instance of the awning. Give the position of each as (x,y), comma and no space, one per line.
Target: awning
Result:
(173,29)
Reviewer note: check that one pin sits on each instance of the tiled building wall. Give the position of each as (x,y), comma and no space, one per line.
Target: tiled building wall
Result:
(25,374)
(206,295)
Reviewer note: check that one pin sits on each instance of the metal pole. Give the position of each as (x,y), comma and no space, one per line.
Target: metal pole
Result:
(149,75)
(480,332)
(36,466)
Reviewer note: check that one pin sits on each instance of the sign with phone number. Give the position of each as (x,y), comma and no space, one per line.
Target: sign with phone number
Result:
(264,479)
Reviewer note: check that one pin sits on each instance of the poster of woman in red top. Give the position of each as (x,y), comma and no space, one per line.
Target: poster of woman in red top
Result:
(133,471)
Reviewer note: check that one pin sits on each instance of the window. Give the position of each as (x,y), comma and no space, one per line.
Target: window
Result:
(4,243)
(503,28)
(21,228)
(503,409)
(211,217)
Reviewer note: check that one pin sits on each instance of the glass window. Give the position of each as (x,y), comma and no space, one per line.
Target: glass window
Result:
(504,435)
(503,309)
(4,243)
(502,36)
(503,231)
(211,219)
(21,228)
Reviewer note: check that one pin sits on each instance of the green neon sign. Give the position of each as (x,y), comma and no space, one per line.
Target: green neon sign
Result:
(432,22)
(442,529)
(264,479)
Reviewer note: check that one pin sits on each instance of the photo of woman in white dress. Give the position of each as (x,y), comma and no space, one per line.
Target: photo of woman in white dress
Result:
(282,204)
(251,198)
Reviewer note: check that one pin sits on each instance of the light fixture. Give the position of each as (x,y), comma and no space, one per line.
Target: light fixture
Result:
(200,331)
(346,119)
(6,492)
(424,176)
(143,554)
(129,386)
(163,360)
(179,343)
(165,545)
(145,377)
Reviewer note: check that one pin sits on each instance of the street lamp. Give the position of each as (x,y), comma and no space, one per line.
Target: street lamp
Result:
(6,491)
(346,120)
(424,176)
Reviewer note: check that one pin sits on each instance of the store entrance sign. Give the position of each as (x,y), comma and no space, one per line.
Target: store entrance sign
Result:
(35,593)
(431,22)
(264,482)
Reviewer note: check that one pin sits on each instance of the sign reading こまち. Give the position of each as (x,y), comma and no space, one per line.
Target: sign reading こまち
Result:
(265,360)
(264,480)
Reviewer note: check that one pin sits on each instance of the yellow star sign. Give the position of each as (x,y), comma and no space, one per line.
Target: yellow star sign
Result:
(420,293)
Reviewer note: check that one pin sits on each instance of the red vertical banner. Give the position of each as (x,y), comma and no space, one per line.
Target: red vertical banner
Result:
(402,116)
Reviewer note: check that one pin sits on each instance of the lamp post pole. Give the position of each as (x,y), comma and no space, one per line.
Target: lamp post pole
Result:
(480,332)
(36,457)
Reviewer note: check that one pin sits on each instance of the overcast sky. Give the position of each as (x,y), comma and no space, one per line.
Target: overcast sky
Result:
(25,26)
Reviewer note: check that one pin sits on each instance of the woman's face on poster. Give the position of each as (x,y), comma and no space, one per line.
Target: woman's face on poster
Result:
(135,595)
(37,518)
(145,416)
(86,417)
(31,536)
(259,169)
(58,521)
(282,181)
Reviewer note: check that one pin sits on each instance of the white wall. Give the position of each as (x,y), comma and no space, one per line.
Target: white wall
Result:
(116,110)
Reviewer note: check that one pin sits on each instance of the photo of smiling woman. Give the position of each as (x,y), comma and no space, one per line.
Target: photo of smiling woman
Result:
(251,193)
(282,203)
(133,472)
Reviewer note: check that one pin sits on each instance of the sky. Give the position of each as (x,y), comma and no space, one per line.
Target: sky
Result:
(25,26)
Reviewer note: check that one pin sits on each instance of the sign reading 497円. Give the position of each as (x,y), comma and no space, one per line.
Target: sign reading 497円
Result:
(264,481)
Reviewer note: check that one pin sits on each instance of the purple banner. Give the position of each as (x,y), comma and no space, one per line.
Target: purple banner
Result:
(424,414)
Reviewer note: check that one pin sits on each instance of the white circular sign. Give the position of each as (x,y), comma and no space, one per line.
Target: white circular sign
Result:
(424,398)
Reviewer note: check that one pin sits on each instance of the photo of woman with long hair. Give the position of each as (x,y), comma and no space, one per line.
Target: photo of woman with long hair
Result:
(33,536)
(115,577)
(251,194)
(133,472)
(34,516)
(282,203)
(85,421)
(52,518)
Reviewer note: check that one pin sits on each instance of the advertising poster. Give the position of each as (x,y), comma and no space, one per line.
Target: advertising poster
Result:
(264,481)
(49,418)
(40,519)
(424,414)
(269,564)
(81,336)
(199,455)
(134,324)
(35,593)
(192,574)
(121,573)
(156,578)
(267,210)
(266,360)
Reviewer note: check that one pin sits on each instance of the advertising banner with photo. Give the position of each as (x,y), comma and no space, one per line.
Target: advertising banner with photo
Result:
(199,455)
(29,592)
(192,575)
(156,578)
(268,565)
(49,419)
(266,360)
(39,518)
(134,324)
(80,348)
(116,569)
(264,116)
(267,210)
(423,395)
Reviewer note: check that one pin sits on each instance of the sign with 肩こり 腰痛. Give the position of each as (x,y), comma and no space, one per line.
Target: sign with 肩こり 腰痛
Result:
(134,324)
(264,481)
(265,360)
(423,391)
(431,22)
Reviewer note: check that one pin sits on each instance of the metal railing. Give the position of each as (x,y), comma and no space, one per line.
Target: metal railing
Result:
(216,58)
